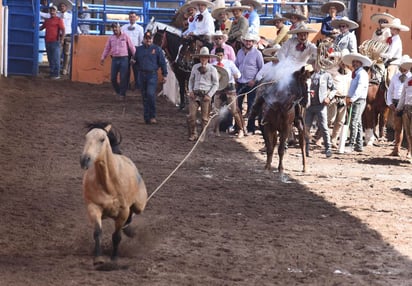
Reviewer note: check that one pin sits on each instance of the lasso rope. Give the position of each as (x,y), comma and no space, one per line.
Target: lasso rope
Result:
(200,139)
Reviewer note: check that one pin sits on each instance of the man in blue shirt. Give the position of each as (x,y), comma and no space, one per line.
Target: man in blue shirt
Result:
(358,91)
(148,59)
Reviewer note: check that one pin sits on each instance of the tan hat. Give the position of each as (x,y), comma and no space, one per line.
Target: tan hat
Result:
(237,6)
(204,2)
(223,77)
(340,6)
(219,7)
(250,37)
(254,3)
(302,29)
(186,6)
(347,59)
(271,51)
(219,33)
(385,16)
(344,20)
(296,13)
(277,17)
(396,24)
(204,52)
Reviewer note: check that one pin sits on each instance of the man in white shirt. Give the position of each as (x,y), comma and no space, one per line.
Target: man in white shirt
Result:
(381,34)
(135,33)
(204,25)
(393,95)
(67,16)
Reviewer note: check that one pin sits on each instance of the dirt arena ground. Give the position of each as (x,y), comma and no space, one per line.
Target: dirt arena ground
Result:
(220,220)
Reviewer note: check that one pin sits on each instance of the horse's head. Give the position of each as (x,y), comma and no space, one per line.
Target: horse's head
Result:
(100,139)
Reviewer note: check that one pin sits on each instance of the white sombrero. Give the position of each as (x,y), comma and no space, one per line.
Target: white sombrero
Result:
(296,13)
(277,17)
(344,20)
(302,29)
(271,51)
(204,52)
(237,6)
(250,37)
(204,2)
(340,6)
(404,62)
(219,33)
(68,3)
(396,24)
(378,16)
(253,3)
(219,7)
(347,59)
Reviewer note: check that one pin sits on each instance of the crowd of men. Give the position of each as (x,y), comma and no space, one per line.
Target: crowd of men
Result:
(229,36)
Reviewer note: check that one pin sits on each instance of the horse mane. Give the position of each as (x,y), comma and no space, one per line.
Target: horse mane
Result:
(114,135)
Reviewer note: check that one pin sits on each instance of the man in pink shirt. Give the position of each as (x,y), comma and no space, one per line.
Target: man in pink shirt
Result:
(219,40)
(118,46)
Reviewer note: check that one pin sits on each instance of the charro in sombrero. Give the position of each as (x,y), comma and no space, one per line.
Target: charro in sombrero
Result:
(344,20)
(237,6)
(295,13)
(253,3)
(219,7)
(250,37)
(277,17)
(303,29)
(219,33)
(204,52)
(396,24)
(405,62)
(382,16)
(204,2)
(347,59)
(187,6)
(340,6)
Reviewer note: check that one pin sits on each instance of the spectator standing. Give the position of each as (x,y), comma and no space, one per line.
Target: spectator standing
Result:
(356,99)
(249,61)
(119,46)
(393,95)
(203,83)
(84,15)
(54,37)
(135,33)
(148,59)
(220,42)
(66,14)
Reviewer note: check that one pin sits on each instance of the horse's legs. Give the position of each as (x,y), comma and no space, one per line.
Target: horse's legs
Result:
(270,138)
(300,125)
(281,148)
(95,216)
(117,234)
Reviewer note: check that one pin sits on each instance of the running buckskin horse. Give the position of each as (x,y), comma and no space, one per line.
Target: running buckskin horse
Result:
(282,108)
(178,52)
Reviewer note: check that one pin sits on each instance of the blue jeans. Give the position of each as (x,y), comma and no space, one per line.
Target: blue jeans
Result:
(355,127)
(321,112)
(244,88)
(148,85)
(120,65)
(53,57)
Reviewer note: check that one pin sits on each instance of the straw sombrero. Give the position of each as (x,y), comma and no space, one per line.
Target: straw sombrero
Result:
(344,20)
(404,62)
(253,3)
(186,6)
(219,7)
(340,6)
(347,59)
(296,13)
(378,16)
(204,52)
(250,37)
(237,6)
(219,33)
(277,17)
(302,29)
(271,51)
(68,3)
(205,2)
(223,77)
(396,24)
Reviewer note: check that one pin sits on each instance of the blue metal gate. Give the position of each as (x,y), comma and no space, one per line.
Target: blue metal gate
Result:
(23,37)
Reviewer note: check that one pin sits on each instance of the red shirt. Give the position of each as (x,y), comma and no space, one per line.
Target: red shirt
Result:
(54,27)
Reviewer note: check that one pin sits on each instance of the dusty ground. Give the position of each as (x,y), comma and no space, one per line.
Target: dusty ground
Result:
(220,220)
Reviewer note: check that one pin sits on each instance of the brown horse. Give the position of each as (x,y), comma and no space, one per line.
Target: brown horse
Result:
(376,111)
(112,186)
(282,109)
